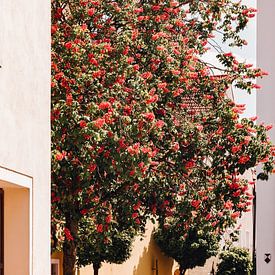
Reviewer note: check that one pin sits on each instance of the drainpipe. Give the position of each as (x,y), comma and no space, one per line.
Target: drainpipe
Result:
(254,230)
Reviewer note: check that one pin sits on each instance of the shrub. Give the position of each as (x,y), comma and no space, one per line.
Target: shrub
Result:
(235,261)
(190,250)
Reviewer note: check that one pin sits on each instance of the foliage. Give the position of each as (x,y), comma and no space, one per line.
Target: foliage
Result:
(235,260)
(189,250)
(93,250)
(126,145)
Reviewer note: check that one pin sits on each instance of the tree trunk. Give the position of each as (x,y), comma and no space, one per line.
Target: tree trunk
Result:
(69,248)
(182,270)
(96,267)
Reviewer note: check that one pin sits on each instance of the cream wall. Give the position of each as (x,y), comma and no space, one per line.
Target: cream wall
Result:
(266,111)
(25,107)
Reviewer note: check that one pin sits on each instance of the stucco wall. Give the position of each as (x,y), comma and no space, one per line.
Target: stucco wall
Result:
(266,111)
(25,107)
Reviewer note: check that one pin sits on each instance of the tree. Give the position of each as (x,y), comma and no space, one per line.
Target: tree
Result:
(93,249)
(124,138)
(190,250)
(235,260)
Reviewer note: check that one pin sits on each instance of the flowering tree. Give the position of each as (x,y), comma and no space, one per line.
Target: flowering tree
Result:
(126,141)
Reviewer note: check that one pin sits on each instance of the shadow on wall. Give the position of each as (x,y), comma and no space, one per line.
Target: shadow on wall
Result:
(153,261)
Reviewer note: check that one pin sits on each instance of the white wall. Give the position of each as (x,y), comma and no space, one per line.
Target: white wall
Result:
(25,108)
(266,111)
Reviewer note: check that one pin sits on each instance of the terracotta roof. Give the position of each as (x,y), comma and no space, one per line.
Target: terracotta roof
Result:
(192,103)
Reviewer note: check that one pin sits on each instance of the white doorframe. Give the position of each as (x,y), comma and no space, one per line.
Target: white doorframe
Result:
(9,177)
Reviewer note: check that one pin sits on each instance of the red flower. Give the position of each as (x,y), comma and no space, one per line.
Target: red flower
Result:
(98,123)
(228,205)
(152,99)
(69,99)
(156,7)
(91,11)
(82,123)
(189,164)
(195,203)
(92,167)
(133,150)
(84,211)
(136,67)
(175,146)
(54,28)
(104,105)
(134,215)
(68,234)
(159,124)
(236,149)
(228,54)
(132,172)
(147,75)
(175,72)
(149,116)
(130,60)
(236,193)
(243,159)
(68,45)
(235,215)
(127,110)
(160,48)
(59,156)
(162,85)
(99,228)
(93,61)
(268,127)
(137,206)
(108,219)
(199,127)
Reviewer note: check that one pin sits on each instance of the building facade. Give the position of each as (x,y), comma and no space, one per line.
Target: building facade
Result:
(25,137)
(265,196)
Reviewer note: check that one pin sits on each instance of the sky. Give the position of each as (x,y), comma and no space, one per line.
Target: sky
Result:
(248,54)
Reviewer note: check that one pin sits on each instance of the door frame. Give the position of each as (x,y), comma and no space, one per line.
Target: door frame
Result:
(11,178)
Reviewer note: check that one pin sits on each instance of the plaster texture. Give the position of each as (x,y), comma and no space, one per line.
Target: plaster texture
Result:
(25,110)
(265,110)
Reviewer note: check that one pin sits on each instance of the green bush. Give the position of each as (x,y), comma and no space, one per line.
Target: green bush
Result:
(188,251)
(235,261)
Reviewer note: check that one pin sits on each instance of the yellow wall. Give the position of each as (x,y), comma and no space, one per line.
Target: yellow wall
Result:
(142,261)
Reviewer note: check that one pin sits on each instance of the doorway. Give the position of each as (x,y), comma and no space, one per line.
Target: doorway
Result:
(1,231)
